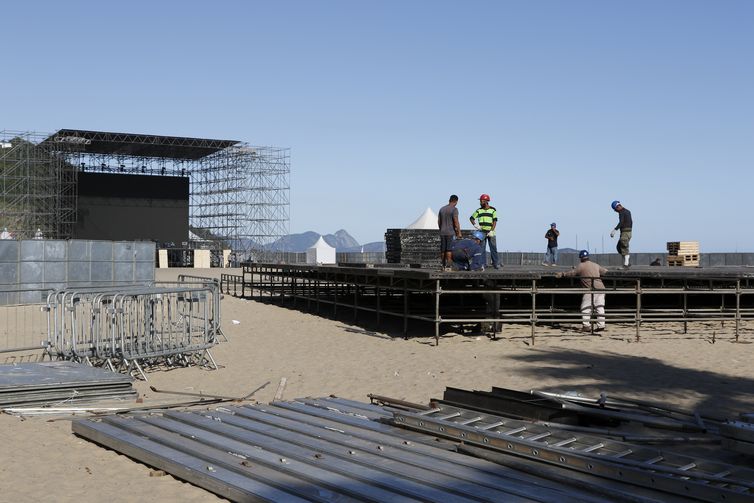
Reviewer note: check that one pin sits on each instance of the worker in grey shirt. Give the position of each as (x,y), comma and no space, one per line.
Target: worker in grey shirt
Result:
(589,272)
(625,223)
(447,222)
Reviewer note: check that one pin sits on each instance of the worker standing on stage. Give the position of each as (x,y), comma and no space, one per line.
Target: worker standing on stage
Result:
(624,225)
(468,254)
(486,216)
(551,257)
(589,272)
(447,222)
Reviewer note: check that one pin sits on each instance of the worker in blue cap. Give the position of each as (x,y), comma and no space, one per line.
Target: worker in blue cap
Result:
(593,300)
(468,254)
(625,223)
(551,256)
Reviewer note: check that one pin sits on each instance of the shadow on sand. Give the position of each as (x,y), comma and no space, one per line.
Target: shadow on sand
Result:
(641,377)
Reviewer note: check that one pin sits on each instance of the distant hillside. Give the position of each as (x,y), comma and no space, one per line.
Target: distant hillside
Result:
(376,246)
(341,241)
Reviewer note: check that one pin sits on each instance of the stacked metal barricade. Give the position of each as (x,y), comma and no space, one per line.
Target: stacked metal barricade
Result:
(136,326)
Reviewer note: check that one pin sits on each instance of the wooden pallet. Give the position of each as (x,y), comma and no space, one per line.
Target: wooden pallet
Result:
(687,260)
(683,247)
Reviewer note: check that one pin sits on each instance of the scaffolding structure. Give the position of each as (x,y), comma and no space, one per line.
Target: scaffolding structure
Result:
(238,197)
(37,186)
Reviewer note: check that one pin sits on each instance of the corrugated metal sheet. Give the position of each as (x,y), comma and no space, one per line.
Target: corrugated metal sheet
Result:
(315,450)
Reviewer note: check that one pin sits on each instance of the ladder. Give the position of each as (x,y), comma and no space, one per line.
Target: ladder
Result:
(644,466)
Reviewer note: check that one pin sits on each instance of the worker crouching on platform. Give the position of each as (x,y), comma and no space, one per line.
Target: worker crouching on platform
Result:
(467,254)
(589,272)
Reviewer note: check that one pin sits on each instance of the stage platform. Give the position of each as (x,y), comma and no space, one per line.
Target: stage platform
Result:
(493,298)
(525,271)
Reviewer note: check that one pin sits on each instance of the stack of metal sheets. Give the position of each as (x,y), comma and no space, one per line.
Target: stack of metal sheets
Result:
(56,382)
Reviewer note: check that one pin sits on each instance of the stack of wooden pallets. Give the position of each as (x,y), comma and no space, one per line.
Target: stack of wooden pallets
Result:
(683,253)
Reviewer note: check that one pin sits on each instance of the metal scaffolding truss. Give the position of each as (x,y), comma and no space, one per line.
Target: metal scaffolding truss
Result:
(37,186)
(239,194)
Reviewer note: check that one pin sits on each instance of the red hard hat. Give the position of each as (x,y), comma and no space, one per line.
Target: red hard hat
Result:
(484,197)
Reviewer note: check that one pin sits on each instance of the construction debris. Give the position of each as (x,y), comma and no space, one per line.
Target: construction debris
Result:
(332,449)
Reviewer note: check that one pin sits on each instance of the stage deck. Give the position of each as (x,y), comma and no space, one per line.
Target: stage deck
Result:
(524,272)
(515,294)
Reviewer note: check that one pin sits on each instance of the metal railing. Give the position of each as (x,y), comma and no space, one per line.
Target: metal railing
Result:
(231,284)
(23,324)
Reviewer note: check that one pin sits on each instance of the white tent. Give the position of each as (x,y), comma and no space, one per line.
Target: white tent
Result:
(194,237)
(427,220)
(320,253)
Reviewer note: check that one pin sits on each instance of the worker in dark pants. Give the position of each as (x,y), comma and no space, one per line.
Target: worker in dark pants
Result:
(486,216)
(625,223)
(468,254)
(450,229)
(551,257)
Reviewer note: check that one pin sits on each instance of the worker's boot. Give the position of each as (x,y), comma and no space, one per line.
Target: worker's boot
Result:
(625,261)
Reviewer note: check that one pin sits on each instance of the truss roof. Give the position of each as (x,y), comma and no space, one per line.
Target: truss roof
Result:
(138,145)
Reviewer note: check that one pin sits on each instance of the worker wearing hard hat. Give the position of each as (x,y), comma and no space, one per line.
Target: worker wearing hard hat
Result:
(551,257)
(468,254)
(625,222)
(590,273)
(486,216)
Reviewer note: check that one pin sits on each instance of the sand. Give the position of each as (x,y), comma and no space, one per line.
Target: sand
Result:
(43,461)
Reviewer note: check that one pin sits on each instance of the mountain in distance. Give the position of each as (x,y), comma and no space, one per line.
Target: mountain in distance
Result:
(341,240)
(375,246)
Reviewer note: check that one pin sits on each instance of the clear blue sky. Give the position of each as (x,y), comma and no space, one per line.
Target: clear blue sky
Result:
(554,108)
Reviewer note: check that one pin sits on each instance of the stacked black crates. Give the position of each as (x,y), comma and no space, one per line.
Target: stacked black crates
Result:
(414,246)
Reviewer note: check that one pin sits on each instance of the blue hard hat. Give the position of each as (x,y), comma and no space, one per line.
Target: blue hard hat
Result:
(614,204)
(584,254)
(479,235)
(552,224)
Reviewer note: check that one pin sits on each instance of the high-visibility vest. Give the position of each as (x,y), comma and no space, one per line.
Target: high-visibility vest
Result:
(485,218)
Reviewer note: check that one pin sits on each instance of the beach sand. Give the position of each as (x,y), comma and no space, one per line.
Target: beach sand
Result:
(43,461)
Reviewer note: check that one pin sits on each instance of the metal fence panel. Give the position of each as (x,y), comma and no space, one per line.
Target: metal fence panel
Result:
(102,250)
(32,251)
(55,250)
(124,271)
(55,272)
(123,251)
(32,272)
(102,271)
(9,250)
(8,273)
(79,250)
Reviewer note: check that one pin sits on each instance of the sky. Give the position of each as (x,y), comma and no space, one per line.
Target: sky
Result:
(553,108)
